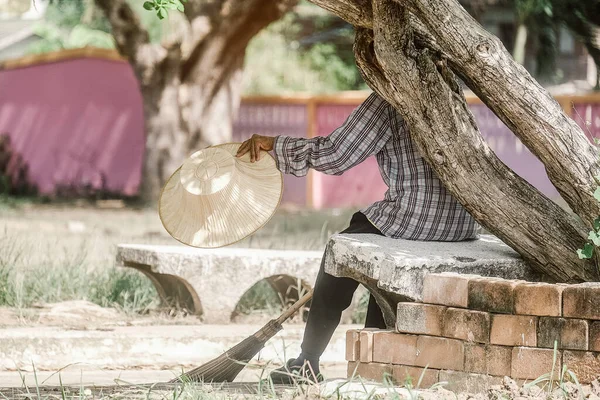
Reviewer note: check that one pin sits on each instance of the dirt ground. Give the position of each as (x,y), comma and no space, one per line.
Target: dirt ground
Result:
(77,342)
(67,335)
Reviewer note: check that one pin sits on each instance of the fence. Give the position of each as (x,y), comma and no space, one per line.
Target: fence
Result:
(75,117)
(306,116)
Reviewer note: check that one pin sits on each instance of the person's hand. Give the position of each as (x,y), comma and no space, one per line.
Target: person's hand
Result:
(254,145)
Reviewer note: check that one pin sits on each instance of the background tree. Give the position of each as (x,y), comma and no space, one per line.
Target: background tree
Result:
(308,50)
(191,81)
(582,17)
(540,21)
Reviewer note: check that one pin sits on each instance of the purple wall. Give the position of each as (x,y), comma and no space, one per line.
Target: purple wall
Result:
(272,120)
(75,123)
(80,122)
(363,184)
(511,151)
(588,117)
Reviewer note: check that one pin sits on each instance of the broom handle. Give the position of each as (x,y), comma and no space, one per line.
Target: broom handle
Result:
(295,307)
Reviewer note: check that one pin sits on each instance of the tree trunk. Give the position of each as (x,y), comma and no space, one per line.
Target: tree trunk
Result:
(520,44)
(191,82)
(401,66)
(481,60)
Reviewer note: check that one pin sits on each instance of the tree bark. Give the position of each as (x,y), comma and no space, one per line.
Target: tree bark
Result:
(191,82)
(397,62)
(538,120)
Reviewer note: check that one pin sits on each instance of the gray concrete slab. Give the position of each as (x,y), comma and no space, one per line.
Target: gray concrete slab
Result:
(212,281)
(398,267)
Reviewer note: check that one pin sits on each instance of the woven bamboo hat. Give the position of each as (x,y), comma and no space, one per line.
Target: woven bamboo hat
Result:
(215,199)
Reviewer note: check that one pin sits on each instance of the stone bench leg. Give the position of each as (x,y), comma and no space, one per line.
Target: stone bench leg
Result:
(388,302)
(172,290)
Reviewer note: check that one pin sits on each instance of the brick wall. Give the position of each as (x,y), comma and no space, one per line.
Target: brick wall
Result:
(471,331)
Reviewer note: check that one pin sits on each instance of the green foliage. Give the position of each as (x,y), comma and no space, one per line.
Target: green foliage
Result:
(80,35)
(531,8)
(545,17)
(78,23)
(162,7)
(594,235)
(71,24)
(276,62)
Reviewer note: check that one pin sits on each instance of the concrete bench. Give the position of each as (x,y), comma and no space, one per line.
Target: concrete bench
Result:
(210,282)
(394,269)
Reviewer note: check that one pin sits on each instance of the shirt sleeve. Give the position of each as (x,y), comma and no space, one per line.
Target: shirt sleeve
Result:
(364,133)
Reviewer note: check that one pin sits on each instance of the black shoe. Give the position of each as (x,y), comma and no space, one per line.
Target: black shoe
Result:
(296,371)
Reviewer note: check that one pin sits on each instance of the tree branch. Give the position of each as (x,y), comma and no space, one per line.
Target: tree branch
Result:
(445,132)
(126,27)
(356,12)
(518,100)
(360,14)
(235,26)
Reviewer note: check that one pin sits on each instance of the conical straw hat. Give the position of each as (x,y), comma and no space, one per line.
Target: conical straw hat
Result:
(215,199)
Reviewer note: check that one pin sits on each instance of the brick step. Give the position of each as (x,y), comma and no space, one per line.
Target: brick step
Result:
(422,378)
(388,349)
(498,329)
(503,296)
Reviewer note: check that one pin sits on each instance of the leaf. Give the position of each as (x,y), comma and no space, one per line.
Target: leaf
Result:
(597,194)
(587,251)
(593,236)
(597,223)
(180,5)
(148,5)
(162,13)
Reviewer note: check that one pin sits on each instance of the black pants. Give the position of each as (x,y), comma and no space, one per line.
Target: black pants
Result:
(333,295)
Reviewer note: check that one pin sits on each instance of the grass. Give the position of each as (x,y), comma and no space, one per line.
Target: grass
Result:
(66,274)
(53,253)
(351,388)
(185,389)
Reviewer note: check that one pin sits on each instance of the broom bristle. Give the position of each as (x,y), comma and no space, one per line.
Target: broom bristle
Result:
(229,364)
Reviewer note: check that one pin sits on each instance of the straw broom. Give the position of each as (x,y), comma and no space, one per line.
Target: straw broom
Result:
(229,364)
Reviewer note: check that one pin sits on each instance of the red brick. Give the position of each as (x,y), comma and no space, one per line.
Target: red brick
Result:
(394,348)
(369,371)
(352,345)
(351,369)
(420,319)
(475,360)
(366,346)
(569,333)
(542,299)
(514,330)
(594,342)
(464,382)
(472,326)
(492,295)
(531,363)
(447,288)
(488,359)
(405,375)
(584,364)
(440,353)
(499,360)
(582,301)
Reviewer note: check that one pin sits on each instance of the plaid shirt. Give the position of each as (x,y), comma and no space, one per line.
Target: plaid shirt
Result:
(416,206)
